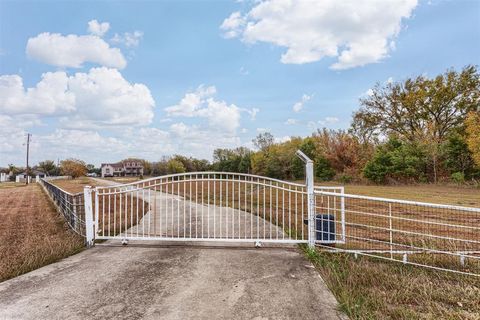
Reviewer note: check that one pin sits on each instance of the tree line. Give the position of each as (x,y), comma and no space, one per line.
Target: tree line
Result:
(417,130)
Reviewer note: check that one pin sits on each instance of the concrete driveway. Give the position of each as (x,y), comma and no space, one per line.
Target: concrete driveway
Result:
(135,282)
(155,280)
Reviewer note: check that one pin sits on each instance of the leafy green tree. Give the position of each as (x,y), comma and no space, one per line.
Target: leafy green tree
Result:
(175,166)
(421,110)
(458,157)
(396,160)
(473,135)
(232,160)
(263,141)
(49,167)
(323,170)
(421,106)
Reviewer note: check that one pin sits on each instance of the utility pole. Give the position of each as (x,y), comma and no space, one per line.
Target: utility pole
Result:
(28,149)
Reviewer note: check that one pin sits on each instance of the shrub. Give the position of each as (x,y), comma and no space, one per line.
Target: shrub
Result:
(345,178)
(396,160)
(458,177)
(323,170)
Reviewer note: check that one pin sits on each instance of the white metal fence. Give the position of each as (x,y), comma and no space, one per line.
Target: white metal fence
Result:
(70,205)
(235,207)
(431,235)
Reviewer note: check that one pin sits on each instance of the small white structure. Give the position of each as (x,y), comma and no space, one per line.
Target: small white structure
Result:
(3,177)
(22,177)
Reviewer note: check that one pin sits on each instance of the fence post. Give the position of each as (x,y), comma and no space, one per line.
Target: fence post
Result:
(311,203)
(342,208)
(89,234)
(310,197)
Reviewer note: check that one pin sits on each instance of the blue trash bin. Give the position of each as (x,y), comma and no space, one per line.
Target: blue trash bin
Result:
(324,227)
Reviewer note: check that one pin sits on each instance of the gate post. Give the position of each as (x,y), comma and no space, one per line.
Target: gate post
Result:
(87,202)
(311,203)
(310,197)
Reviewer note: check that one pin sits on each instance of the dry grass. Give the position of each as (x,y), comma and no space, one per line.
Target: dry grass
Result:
(6,185)
(32,233)
(125,179)
(368,288)
(445,194)
(75,185)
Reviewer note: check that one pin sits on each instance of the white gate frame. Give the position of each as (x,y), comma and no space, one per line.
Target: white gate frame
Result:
(89,232)
(92,225)
(310,196)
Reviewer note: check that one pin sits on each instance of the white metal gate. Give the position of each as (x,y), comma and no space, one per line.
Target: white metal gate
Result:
(207,206)
(203,206)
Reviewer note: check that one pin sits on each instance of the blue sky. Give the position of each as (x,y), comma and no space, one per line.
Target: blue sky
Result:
(158,78)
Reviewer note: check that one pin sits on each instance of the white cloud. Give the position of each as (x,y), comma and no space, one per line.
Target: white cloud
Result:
(325,122)
(73,50)
(329,120)
(195,140)
(356,32)
(97,28)
(233,25)
(252,112)
(291,122)
(282,139)
(12,137)
(129,39)
(49,96)
(201,103)
(101,97)
(298,106)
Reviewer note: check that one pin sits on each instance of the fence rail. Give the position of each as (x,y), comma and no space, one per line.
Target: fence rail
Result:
(70,205)
(431,235)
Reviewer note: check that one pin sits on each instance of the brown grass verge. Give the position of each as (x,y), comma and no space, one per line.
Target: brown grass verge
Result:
(368,288)
(444,194)
(32,233)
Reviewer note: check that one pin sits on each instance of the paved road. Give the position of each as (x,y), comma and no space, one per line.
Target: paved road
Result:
(171,282)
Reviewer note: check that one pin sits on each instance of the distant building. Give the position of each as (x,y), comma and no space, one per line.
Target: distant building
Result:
(125,168)
(23,176)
